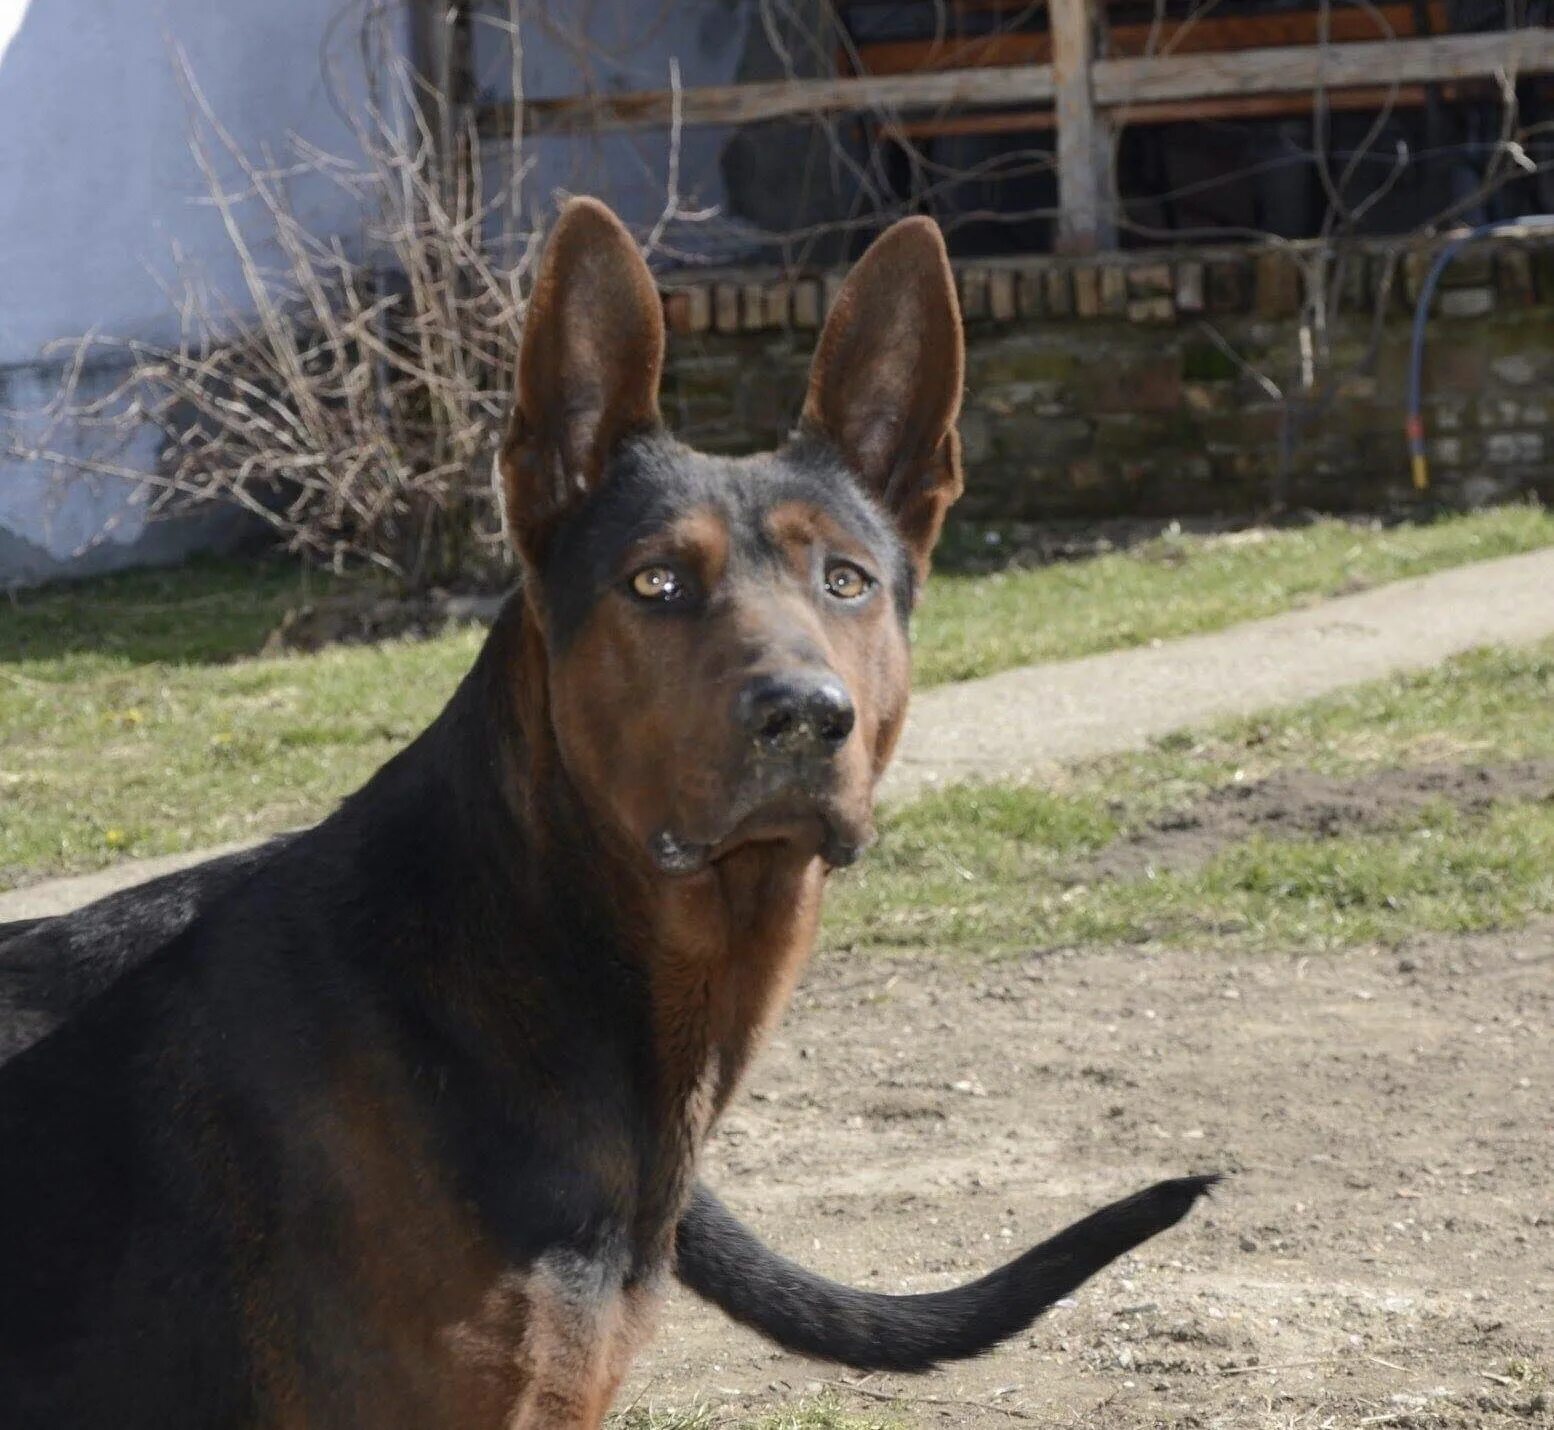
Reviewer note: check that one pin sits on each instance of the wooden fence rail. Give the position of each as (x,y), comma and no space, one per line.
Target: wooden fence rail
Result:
(1082,89)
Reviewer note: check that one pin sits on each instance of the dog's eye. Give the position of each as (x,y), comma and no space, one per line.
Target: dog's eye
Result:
(846,582)
(658,583)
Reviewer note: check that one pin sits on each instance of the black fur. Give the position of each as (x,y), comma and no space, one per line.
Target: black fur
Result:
(151,1136)
(723,1263)
(49,968)
(171,1048)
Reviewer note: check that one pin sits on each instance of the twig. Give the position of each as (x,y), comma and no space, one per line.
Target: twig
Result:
(1278,1365)
(895,1398)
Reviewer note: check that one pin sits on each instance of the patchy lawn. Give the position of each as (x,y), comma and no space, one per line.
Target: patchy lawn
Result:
(108,757)
(135,719)
(819,1414)
(1421,803)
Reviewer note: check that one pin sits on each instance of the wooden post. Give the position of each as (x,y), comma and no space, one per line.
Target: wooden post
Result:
(440,52)
(1087,190)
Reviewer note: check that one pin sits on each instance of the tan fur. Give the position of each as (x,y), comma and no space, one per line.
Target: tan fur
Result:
(577,1346)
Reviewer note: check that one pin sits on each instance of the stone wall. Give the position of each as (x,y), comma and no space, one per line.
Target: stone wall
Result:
(1172,384)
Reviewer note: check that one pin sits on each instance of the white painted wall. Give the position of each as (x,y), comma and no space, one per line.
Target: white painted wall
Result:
(98,191)
(96,183)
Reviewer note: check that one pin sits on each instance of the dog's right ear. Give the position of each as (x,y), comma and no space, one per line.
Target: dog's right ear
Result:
(588,372)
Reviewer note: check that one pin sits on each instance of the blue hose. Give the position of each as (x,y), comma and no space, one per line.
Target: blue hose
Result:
(1413,426)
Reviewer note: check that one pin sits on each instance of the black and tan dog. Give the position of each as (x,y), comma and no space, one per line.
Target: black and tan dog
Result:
(395,1122)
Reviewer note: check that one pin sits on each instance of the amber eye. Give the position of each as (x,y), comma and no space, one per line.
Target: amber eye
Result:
(658,583)
(846,582)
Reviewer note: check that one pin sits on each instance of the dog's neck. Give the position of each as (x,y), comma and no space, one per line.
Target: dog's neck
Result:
(708,959)
(722,950)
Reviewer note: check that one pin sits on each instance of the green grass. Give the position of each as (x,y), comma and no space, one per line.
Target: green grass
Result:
(972,625)
(122,735)
(150,759)
(990,870)
(135,719)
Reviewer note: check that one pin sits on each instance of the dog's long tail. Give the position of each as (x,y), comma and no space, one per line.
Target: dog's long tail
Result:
(723,1262)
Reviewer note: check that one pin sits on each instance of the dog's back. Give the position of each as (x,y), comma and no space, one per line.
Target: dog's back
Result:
(50,967)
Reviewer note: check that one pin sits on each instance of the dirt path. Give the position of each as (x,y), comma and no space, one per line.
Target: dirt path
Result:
(1022,720)
(1384,1254)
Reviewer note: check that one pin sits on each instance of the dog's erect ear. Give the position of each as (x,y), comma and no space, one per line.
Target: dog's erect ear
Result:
(886,381)
(588,372)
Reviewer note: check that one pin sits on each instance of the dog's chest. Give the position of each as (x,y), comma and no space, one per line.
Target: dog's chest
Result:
(546,1347)
(484,1278)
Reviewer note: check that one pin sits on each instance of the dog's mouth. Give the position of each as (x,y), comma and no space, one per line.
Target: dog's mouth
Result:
(797,820)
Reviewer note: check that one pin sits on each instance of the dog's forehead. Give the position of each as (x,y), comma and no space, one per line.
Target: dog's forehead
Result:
(653,484)
(659,482)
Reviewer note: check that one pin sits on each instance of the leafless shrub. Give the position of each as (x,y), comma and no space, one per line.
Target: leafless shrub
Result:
(350,396)
(352,407)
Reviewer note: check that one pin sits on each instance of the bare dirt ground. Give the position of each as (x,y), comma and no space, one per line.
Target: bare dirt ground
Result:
(1304,803)
(1382,1255)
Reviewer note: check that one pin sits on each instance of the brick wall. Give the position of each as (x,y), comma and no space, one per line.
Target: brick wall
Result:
(1172,384)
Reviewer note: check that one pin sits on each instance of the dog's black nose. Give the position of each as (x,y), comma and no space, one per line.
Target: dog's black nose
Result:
(796,714)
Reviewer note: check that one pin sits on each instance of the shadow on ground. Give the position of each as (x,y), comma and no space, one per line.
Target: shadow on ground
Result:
(207,612)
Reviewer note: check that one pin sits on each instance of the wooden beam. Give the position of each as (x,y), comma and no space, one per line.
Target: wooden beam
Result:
(1272,106)
(1087,193)
(1171,111)
(1115,83)
(1173,37)
(777,99)
(1119,83)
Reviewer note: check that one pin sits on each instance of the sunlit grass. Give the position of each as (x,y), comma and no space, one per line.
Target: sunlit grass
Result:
(132,758)
(1002,869)
(138,718)
(1181,585)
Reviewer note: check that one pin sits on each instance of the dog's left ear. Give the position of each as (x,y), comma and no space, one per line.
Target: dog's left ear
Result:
(588,372)
(885,385)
